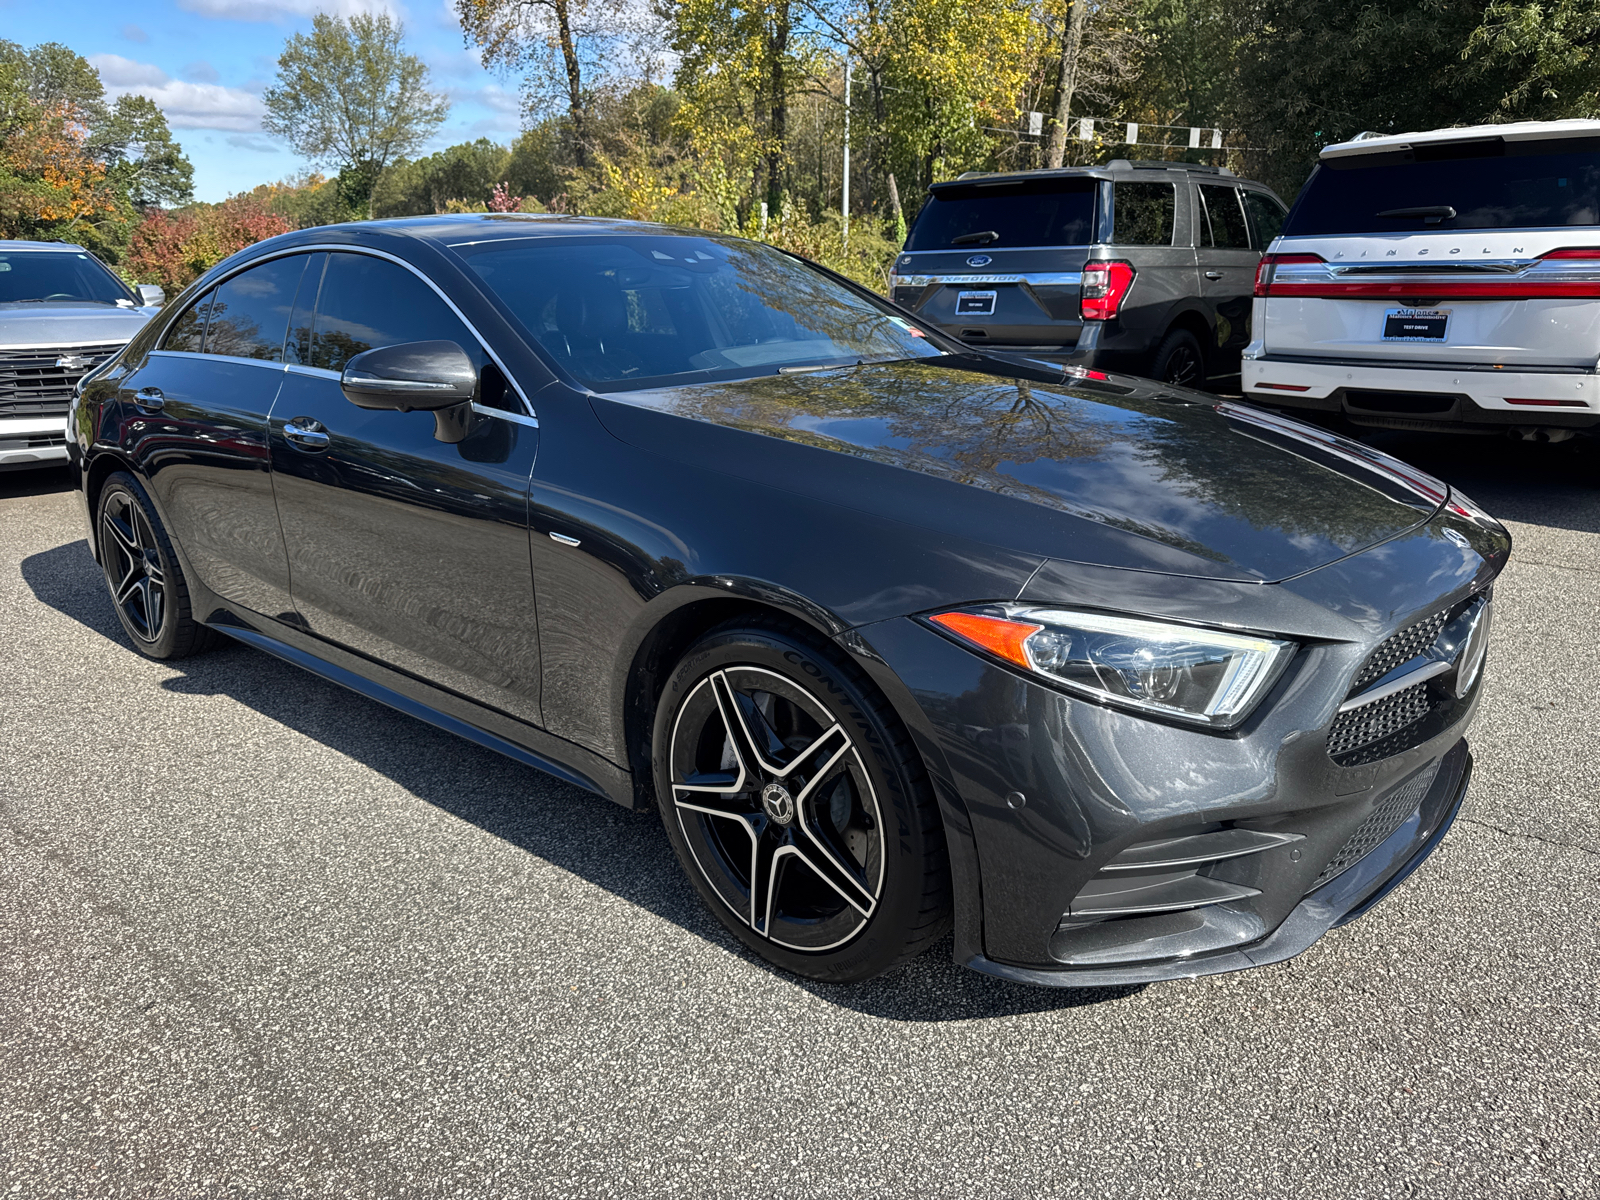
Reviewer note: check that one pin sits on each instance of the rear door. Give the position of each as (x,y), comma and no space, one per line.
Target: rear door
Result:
(1227,264)
(197,408)
(1147,233)
(1479,251)
(404,548)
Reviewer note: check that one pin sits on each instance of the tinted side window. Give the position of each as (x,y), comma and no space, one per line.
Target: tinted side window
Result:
(188,332)
(297,348)
(368,302)
(1225,218)
(1143,214)
(251,311)
(1266,217)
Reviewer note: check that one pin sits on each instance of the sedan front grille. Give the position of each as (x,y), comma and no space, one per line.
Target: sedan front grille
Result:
(1387,815)
(1364,734)
(33,383)
(1399,648)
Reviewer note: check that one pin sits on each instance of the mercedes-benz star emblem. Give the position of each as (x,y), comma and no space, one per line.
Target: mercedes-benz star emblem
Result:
(779,804)
(979,260)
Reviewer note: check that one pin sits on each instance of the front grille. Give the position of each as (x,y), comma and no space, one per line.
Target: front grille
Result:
(1357,733)
(1399,648)
(32,385)
(1387,815)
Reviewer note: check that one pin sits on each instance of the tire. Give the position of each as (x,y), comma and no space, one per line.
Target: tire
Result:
(148,590)
(817,796)
(1179,360)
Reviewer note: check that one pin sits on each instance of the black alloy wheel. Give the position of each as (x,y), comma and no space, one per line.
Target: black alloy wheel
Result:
(1178,360)
(796,805)
(143,576)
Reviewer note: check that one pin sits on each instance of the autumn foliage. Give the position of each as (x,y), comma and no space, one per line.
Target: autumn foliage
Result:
(47,174)
(173,249)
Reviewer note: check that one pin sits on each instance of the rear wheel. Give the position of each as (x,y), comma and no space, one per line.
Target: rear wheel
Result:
(143,576)
(797,805)
(1178,360)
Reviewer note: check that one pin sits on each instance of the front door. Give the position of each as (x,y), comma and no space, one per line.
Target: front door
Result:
(1227,266)
(404,548)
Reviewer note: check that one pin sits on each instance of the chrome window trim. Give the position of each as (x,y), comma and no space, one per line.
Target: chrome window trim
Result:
(339,248)
(233,358)
(313,372)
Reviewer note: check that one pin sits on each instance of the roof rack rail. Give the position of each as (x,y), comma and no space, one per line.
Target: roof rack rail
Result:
(1155,164)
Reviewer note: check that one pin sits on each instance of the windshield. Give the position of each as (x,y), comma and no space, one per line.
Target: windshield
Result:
(622,312)
(58,277)
(1033,212)
(1474,185)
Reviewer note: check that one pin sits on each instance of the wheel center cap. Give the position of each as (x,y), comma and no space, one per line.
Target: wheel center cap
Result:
(777,802)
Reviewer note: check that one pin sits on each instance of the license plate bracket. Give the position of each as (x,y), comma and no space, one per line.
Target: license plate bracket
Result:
(975,304)
(1416,324)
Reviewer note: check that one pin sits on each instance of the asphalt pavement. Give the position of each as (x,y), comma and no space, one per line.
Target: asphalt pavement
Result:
(262,937)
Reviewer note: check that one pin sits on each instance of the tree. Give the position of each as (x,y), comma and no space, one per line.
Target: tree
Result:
(1546,57)
(175,249)
(466,172)
(142,160)
(348,96)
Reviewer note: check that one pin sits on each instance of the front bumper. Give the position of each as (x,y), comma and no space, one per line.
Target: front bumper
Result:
(1407,396)
(32,442)
(1338,902)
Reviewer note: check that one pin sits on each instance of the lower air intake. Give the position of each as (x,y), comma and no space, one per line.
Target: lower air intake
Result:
(1387,815)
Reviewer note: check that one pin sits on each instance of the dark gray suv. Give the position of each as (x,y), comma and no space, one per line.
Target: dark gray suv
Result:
(1144,267)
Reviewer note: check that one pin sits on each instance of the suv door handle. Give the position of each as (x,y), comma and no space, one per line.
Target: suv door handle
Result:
(305,434)
(149,399)
(1213,274)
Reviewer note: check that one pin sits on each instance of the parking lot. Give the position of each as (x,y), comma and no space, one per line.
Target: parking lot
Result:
(260,936)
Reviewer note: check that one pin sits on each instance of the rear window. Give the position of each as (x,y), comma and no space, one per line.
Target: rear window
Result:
(1485,184)
(1027,213)
(1143,213)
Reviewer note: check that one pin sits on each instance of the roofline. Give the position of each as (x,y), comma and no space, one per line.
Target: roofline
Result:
(11,244)
(1517,131)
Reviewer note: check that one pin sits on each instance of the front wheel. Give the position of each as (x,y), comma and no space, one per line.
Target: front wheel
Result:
(797,805)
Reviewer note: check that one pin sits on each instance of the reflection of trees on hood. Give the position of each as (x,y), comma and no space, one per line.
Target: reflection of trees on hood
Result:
(1218,463)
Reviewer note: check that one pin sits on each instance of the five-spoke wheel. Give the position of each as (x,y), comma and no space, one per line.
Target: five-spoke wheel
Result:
(797,806)
(132,563)
(146,583)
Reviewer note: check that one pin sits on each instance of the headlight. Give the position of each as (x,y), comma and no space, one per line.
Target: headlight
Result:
(1202,676)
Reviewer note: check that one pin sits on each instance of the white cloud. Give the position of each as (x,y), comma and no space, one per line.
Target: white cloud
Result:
(186,105)
(281,11)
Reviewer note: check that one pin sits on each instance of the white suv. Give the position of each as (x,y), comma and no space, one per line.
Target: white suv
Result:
(62,314)
(1443,281)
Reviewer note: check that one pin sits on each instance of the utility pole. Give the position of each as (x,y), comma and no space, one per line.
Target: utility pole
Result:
(846,204)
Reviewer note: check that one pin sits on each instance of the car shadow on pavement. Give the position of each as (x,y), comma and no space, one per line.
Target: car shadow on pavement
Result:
(623,852)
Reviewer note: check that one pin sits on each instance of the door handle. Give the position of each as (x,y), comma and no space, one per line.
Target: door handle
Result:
(1213,274)
(149,399)
(305,434)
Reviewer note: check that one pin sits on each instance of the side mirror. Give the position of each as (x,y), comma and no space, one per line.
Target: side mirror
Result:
(424,376)
(151,296)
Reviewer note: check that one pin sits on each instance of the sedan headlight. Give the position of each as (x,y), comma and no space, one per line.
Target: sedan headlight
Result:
(1203,676)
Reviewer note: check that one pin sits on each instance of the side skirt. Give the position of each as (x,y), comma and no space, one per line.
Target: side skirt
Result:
(454,714)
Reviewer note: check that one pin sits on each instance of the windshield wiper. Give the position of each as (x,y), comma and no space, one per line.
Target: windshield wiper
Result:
(983,238)
(1431,214)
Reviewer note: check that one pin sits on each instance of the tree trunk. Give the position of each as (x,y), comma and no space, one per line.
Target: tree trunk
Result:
(569,55)
(1072,44)
(778,106)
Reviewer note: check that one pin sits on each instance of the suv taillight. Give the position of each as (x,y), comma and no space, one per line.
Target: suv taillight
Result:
(1105,286)
(1270,263)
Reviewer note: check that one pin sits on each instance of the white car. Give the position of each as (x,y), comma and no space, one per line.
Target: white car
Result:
(62,313)
(1445,281)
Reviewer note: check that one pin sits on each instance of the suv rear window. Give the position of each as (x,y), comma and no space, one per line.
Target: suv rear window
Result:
(1049,212)
(1489,183)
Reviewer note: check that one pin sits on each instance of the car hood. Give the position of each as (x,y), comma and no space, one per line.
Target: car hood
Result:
(1078,466)
(53,325)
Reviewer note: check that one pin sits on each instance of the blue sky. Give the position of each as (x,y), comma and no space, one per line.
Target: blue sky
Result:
(205,62)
